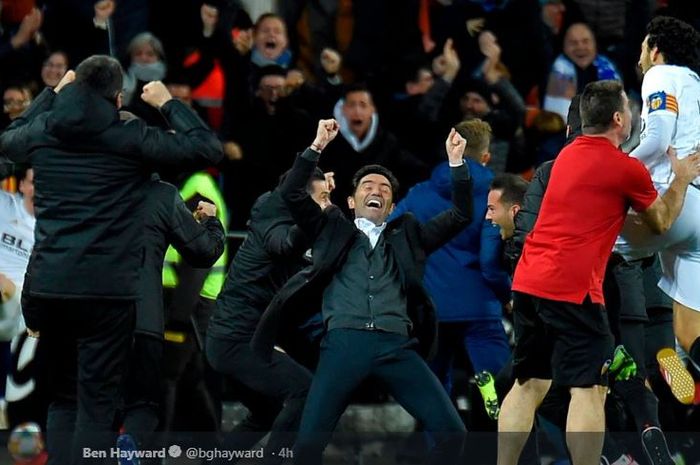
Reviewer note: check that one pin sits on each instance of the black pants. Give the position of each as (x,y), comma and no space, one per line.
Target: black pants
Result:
(143,388)
(274,392)
(348,356)
(86,343)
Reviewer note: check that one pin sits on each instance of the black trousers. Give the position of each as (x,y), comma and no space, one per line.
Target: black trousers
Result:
(274,391)
(86,345)
(348,356)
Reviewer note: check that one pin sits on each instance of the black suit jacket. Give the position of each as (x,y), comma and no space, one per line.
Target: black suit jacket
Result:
(333,234)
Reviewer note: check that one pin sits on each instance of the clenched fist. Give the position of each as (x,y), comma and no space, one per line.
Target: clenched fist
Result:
(156,94)
(204,210)
(326,132)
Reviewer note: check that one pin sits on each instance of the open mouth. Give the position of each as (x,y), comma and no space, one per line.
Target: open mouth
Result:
(270,45)
(374,203)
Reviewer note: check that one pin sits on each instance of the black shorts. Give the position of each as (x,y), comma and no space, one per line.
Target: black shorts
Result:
(570,344)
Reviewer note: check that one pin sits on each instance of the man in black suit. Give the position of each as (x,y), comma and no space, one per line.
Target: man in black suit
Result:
(367,278)
(82,280)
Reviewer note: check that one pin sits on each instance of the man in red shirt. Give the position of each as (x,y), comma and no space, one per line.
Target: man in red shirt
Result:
(561,327)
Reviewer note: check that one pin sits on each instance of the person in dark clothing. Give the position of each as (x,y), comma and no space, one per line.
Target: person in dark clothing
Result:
(270,131)
(415,111)
(363,141)
(82,280)
(273,391)
(367,277)
(506,116)
(200,239)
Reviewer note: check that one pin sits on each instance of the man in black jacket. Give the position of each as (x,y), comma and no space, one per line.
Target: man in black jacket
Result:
(82,281)
(367,277)
(200,239)
(273,390)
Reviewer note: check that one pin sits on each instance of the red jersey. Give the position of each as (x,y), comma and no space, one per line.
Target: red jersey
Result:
(592,186)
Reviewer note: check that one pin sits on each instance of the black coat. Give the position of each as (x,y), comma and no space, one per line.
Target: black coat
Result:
(90,171)
(333,234)
(270,255)
(529,211)
(169,221)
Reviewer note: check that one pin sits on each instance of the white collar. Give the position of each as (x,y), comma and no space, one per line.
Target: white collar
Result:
(371,230)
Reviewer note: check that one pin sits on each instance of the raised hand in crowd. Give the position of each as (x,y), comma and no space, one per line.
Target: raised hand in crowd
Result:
(325,133)
(156,94)
(455,145)
(66,79)
(243,41)
(210,18)
(488,44)
(104,9)
(28,28)
(447,64)
(204,210)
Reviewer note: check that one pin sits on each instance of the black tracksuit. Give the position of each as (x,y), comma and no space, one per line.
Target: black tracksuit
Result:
(273,390)
(82,281)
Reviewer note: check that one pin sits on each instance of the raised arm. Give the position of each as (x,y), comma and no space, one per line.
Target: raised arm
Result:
(439,230)
(192,143)
(198,237)
(304,210)
(18,139)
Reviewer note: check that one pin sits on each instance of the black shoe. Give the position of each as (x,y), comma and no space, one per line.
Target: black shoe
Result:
(655,446)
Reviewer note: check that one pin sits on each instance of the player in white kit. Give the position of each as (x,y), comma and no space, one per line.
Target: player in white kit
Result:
(16,243)
(670,59)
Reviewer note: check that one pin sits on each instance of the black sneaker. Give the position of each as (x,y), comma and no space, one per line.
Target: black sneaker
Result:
(655,447)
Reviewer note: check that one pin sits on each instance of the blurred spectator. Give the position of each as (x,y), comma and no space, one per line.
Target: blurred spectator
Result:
(546,137)
(82,28)
(21,43)
(577,66)
(321,16)
(15,100)
(319,98)
(495,100)
(363,141)
(416,110)
(53,69)
(268,132)
(146,63)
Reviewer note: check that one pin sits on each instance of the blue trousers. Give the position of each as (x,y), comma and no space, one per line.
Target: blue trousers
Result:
(348,356)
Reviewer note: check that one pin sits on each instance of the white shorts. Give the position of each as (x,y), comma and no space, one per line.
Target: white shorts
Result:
(11,321)
(679,249)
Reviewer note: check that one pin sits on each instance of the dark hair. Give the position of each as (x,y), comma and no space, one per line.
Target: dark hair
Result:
(268,70)
(20,171)
(356,87)
(599,102)
(376,169)
(101,73)
(266,16)
(573,118)
(317,175)
(512,186)
(678,41)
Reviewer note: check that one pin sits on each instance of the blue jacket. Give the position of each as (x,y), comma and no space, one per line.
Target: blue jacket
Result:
(465,277)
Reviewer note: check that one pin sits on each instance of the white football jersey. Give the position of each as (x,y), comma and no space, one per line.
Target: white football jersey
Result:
(672,90)
(16,237)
